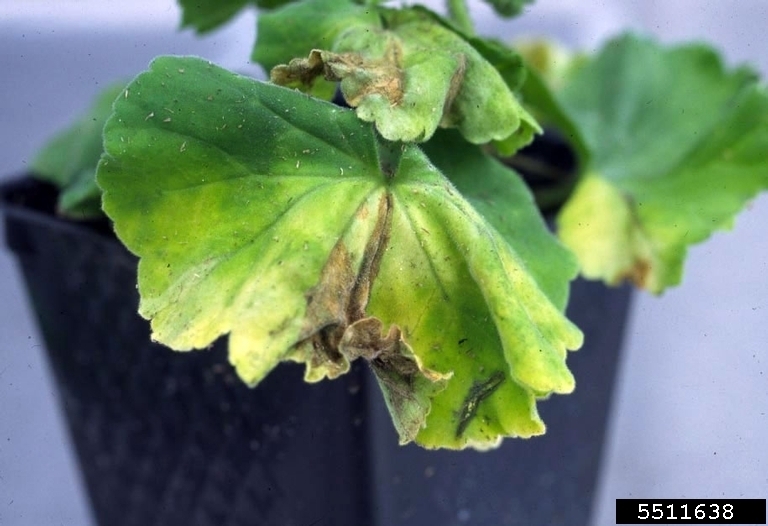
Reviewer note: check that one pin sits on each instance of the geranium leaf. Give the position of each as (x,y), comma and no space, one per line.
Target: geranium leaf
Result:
(505,201)
(206,15)
(414,75)
(69,159)
(294,30)
(512,70)
(506,60)
(287,223)
(678,147)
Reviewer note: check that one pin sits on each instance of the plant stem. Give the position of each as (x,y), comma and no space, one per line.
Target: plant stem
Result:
(458,12)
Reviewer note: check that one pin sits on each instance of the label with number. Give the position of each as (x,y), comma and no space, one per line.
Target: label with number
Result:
(690,511)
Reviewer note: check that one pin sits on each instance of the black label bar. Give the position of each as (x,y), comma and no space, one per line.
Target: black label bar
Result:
(690,511)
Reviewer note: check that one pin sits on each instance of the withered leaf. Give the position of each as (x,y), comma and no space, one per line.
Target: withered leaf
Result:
(412,75)
(287,223)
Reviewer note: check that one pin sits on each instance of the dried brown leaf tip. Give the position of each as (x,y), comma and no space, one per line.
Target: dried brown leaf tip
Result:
(299,72)
(340,299)
(362,75)
(407,385)
(338,331)
(639,273)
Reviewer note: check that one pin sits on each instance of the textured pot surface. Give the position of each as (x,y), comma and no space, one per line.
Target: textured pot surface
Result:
(169,438)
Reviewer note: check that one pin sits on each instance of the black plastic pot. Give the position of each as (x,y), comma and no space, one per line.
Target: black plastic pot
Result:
(168,439)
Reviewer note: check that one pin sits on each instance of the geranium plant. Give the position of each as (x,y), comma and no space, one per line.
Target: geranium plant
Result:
(396,230)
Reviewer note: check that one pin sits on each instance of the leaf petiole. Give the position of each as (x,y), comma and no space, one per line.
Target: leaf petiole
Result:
(389,153)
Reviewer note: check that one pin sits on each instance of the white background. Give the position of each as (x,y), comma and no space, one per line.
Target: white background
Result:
(690,412)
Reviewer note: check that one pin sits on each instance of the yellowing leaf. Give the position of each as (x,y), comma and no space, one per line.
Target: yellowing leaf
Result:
(678,146)
(414,75)
(286,223)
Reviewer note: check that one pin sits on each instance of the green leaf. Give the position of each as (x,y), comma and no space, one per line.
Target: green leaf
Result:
(507,61)
(505,201)
(206,15)
(467,305)
(81,199)
(414,76)
(678,147)
(508,8)
(509,64)
(69,159)
(296,29)
(286,223)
